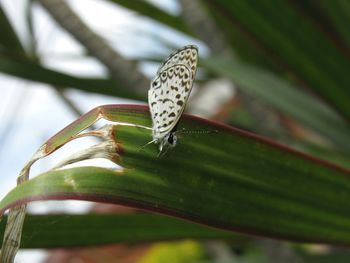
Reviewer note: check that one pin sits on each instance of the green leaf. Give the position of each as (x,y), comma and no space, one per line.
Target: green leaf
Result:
(337,12)
(147,9)
(53,231)
(332,256)
(227,179)
(26,69)
(290,100)
(293,43)
(8,37)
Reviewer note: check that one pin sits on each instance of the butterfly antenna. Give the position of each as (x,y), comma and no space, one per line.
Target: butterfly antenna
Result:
(142,147)
(196,131)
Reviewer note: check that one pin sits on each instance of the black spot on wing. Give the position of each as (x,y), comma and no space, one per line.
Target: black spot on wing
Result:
(174,88)
(184,83)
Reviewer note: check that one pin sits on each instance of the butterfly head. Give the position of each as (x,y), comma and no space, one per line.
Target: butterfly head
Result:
(167,142)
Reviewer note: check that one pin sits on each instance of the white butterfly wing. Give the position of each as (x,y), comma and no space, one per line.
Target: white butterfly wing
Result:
(168,97)
(188,56)
(170,90)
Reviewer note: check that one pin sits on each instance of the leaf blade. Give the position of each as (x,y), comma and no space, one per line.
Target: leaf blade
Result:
(58,231)
(231,180)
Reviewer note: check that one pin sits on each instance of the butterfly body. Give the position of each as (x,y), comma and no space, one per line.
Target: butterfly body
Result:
(169,92)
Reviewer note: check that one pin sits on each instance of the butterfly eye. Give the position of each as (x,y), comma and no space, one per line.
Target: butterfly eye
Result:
(171,139)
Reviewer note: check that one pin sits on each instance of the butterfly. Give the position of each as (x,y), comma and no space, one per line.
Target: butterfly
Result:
(168,94)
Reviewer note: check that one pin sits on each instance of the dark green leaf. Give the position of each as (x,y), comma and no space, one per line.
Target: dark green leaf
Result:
(228,179)
(288,99)
(294,44)
(8,37)
(147,9)
(53,231)
(26,69)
